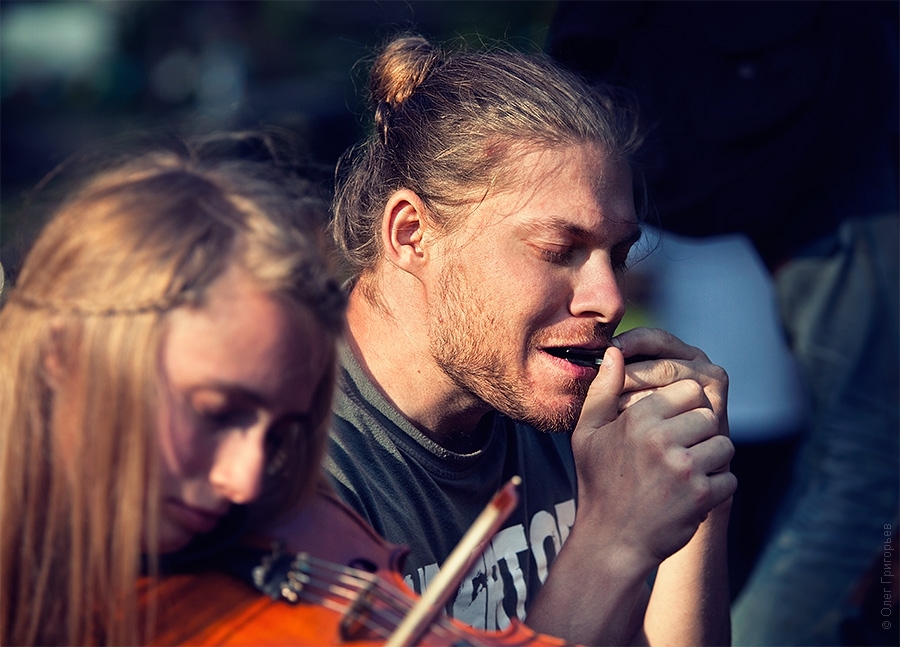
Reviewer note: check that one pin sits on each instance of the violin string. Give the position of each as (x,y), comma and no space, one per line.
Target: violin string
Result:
(329,603)
(339,588)
(362,579)
(380,621)
(349,584)
(383,622)
(392,596)
(331,577)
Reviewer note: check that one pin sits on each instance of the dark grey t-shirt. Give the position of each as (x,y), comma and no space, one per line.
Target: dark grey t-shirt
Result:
(414,492)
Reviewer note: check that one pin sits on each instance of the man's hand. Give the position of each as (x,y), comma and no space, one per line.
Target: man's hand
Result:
(669,359)
(652,453)
(652,448)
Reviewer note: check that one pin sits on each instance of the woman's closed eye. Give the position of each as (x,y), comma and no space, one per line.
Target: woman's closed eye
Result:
(237,418)
(222,411)
(284,432)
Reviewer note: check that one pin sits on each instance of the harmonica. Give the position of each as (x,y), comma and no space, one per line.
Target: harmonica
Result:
(594,357)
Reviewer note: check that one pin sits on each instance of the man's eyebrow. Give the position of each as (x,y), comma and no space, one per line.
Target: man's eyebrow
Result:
(632,235)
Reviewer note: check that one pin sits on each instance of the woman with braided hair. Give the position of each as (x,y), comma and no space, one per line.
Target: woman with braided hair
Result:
(166,359)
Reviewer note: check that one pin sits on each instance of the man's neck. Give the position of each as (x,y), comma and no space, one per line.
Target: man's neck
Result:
(391,345)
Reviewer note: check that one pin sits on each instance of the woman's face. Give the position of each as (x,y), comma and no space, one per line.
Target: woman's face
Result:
(238,373)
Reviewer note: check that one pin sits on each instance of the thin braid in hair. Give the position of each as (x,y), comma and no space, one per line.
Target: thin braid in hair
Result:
(87,308)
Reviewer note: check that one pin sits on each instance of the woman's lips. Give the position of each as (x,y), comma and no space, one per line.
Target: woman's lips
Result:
(195,520)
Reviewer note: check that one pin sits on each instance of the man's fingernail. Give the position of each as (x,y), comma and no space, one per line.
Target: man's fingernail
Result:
(607,360)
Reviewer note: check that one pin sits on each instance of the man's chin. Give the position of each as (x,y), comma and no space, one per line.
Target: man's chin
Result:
(562,424)
(553,409)
(554,418)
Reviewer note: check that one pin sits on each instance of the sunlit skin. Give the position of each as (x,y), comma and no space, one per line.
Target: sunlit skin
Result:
(537,268)
(237,372)
(475,318)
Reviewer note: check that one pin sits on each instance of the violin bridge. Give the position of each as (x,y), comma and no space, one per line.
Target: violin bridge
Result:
(352,624)
(289,577)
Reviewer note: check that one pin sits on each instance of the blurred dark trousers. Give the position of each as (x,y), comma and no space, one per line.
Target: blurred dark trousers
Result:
(840,305)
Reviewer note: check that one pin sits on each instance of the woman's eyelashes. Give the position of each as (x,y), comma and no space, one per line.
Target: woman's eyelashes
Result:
(283,433)
(220,410)
(237,418)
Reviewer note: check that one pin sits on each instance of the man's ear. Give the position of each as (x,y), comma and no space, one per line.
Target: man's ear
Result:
(403,227)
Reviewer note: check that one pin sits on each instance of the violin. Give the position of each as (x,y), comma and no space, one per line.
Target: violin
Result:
(332,580)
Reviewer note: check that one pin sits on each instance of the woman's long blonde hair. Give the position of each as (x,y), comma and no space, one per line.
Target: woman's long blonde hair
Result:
(80,337)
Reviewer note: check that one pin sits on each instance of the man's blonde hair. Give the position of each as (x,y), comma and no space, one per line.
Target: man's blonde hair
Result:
(450,125)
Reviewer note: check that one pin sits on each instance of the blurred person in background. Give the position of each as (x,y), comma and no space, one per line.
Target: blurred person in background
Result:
(778,121)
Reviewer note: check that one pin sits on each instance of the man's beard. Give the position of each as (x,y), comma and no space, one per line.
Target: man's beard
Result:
(466,342)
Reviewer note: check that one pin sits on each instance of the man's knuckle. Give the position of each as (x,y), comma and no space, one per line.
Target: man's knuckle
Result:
(718,374)
(726,446)
(712,418)
(694,390)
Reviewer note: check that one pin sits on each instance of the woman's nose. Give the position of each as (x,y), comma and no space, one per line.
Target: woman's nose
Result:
(239,464)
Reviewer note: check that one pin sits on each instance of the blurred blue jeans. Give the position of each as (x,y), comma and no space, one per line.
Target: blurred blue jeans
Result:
(839,301)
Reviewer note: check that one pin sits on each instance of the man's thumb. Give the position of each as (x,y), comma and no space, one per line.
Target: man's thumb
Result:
(601,406)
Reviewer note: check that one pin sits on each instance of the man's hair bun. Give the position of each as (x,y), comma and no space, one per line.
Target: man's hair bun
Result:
(400,68)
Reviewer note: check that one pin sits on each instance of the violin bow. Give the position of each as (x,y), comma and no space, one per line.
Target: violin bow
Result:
(456,566)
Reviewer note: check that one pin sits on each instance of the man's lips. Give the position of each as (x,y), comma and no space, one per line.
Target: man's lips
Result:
(591,357)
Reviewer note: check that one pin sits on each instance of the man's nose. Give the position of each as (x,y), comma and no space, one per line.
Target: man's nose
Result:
(599,290)
(239,464)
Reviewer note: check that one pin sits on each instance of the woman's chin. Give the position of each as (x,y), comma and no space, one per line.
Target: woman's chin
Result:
(172,539)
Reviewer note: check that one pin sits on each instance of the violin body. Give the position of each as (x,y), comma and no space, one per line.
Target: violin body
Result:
(217,609)
(338,583)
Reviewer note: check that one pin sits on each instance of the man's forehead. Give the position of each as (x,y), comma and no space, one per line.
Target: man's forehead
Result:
(581,191)
(577,190)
